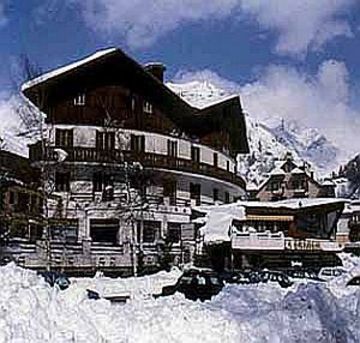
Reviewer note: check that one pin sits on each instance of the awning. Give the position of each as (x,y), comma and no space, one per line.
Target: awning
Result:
(269,218)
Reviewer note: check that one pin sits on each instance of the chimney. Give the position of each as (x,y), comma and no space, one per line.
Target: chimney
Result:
(156,69)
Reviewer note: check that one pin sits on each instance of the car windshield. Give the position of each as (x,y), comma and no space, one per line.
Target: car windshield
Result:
(214,280)
(186,279)
(201,280)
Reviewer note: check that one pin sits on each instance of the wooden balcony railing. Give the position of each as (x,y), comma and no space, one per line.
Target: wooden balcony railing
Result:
(148,160)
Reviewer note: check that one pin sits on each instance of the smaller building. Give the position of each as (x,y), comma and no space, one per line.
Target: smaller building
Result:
(20,200)
(288,180)
(348,230)
(275,234)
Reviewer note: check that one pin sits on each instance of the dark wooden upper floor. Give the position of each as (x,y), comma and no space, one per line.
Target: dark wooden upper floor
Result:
(113,89)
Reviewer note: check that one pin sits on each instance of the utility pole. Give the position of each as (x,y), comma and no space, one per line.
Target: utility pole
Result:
(133,241)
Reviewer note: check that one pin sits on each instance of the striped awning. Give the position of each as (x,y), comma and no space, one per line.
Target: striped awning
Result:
(267,218)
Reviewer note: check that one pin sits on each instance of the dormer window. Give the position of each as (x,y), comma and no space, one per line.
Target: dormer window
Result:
(79,100)
(147,107)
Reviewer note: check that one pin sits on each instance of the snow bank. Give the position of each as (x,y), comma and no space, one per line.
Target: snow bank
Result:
(32,311)
(140,287)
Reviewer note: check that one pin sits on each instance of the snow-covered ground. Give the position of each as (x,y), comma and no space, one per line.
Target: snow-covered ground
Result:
(32,311)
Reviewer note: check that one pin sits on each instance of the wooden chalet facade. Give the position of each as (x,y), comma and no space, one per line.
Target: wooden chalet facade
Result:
(127,157)
(288,180)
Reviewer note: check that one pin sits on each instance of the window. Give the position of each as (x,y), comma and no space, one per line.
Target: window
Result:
(195,193)
(147,108)
(137,143)
(104,230)
(12,198)
(97,182)
(215,158)
(227,198)
(172,148)
(298,184)
(64,138)
(174,232)
(133,104)
(227,165)
(79,100)
(105,140)
(23,202)
(150,231)
(195,154)
(103,183)
(215,194)
(62,182)
(170,191)
(274,186)
(64,230)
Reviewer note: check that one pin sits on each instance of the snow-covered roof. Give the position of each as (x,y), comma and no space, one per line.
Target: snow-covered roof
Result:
(297,171)
(291,204)
(218,101)
(328,183)
(277,171)
(218,222)
(219,218)
(56,72)
(252,187)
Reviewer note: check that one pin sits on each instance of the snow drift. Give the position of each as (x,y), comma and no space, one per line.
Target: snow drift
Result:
(32,311)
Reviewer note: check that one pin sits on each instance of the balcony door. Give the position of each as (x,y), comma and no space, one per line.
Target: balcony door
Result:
(137,144)
(105,140)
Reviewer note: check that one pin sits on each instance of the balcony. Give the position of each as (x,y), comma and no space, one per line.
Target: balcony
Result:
(278,242)
(148,160)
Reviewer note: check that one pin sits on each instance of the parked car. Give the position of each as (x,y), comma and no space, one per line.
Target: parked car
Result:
(355,281)
(92,294)
(329,273)
(241,277)
(303,274)
(55,278)
(196,284)
(275,276)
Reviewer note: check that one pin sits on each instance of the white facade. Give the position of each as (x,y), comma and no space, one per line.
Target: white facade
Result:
(81,202)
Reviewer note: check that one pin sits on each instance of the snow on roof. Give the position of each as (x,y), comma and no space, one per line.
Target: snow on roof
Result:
(328,183)
(252,187)
(352,208)
(277,171)
(218,221)
(293,204)
(218,101)
(297,171)
(56,72)
(279,163)
(219,218)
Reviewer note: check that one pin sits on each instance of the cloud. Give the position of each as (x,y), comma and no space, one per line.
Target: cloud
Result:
(142,22)
(300,25)
(319,101)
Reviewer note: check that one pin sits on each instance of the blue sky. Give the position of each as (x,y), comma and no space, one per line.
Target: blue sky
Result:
(265,47)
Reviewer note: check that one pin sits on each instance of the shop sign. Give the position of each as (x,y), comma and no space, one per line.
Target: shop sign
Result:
(307,245)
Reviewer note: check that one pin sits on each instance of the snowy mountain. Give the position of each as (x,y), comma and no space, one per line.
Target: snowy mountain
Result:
(267,143)
(10,128)
(309,144)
